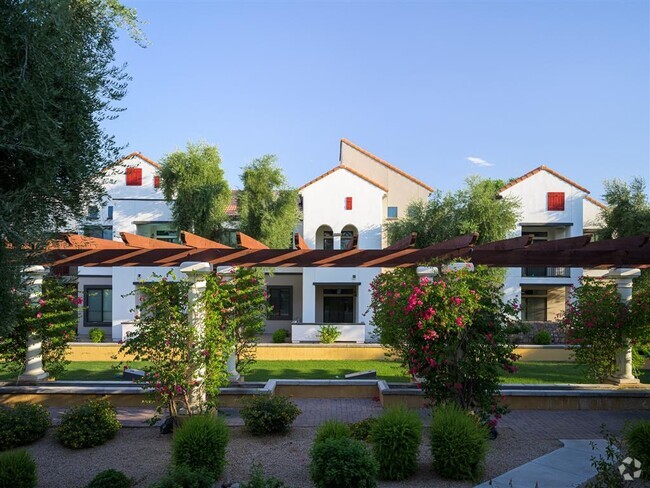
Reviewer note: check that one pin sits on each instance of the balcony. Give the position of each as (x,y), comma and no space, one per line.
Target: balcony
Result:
(557,272)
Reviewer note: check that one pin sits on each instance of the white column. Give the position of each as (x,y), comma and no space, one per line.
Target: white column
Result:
(34,361)
(624,277)
(196,272)
(227,272)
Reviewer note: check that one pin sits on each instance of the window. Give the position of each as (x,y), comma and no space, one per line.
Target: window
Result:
(134,176)
(555,200)
(156,181)
(392,213)
(280,299)
(346,238)
(110,213)
(533,305)
(348,203)
(99,231)
(99,305)
(93,213)
(338,305)
(328,239)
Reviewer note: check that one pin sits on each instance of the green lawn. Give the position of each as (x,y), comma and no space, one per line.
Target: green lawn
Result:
(528,372)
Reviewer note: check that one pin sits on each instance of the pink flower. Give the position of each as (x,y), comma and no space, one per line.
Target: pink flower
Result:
(459,321)
(41,302)
(39,315)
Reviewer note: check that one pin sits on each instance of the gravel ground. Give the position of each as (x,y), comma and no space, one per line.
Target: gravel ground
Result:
(144,455)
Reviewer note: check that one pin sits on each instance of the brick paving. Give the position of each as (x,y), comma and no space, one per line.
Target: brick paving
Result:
(539,424)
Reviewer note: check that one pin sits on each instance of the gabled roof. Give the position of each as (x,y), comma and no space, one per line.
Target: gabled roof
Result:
(350,170)
(142,157)
(548,170)
(595,202)
(386,164)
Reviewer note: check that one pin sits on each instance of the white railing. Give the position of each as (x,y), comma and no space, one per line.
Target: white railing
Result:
(301,332)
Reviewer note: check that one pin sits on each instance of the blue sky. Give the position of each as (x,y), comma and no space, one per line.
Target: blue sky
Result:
(424,85)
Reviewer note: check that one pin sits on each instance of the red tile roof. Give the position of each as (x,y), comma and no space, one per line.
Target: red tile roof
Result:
(141,156)
(386,164)
(548,170)
(347,168)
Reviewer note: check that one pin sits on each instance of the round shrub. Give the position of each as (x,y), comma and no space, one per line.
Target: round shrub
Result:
(185,477)
(87,425)
(396,438)
(542,338)
(332,429)
(341,463)
(22,425)
(17,469)
(257,479)
(265,414)
(97,335)
(280,336)
(110,478)
(200,444)
(459,443)
(362,429)
(637,440)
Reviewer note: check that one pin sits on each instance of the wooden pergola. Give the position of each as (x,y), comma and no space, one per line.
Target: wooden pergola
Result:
(76,250)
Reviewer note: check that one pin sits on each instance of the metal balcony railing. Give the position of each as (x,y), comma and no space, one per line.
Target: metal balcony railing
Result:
(556,272)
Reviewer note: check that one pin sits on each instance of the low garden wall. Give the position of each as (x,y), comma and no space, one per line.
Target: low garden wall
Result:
(82,351)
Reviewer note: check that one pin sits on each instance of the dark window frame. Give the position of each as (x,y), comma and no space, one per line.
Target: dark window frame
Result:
(88,323)
(279,316)
(388,213)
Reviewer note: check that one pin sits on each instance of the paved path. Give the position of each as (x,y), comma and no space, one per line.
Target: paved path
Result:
(539,424)
(567,467)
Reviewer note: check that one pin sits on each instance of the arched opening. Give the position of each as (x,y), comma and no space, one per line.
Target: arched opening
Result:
(347,235)
(324,237)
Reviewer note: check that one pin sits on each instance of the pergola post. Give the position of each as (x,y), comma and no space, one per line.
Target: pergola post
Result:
(33,371)
(624,278)
(231,365)
(196,273)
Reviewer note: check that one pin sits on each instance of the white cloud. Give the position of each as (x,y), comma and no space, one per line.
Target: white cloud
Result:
(479,161)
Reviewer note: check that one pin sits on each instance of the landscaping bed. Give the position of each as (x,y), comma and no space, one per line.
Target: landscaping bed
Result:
(144,455)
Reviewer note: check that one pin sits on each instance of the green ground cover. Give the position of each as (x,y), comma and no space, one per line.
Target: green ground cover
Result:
(528,372)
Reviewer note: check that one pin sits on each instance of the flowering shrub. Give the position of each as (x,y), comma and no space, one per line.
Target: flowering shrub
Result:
(185,362)
(451,332)
(597,324)
(53,319)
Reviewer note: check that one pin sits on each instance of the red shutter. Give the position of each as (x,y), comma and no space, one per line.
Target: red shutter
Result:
(156,181)
(555,200)
(134,176)
(348,203)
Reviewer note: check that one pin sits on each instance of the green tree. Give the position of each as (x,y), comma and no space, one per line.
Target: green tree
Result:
(628,209)
(268,209)
(194,184)
(59,83)
(475,208)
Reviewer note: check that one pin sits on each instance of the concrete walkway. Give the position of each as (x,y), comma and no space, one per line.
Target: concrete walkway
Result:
(567,467)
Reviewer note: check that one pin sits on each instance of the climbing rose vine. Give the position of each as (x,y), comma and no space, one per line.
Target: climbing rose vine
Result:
(451,332)
(598,325)
(183,363)
(52,319)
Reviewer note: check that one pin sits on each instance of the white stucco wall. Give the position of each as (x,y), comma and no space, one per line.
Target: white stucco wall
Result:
(532,193)
(591,215)
(131,204)
(324,204)
(339,277)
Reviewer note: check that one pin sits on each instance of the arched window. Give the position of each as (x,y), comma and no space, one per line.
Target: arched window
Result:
(347,235)
(324,237)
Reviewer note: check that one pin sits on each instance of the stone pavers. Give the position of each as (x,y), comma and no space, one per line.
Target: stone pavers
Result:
(569,424)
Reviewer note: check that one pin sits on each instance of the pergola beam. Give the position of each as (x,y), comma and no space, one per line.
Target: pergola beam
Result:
(517,252)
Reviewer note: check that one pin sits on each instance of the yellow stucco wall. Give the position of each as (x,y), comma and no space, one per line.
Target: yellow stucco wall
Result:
(297,352)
